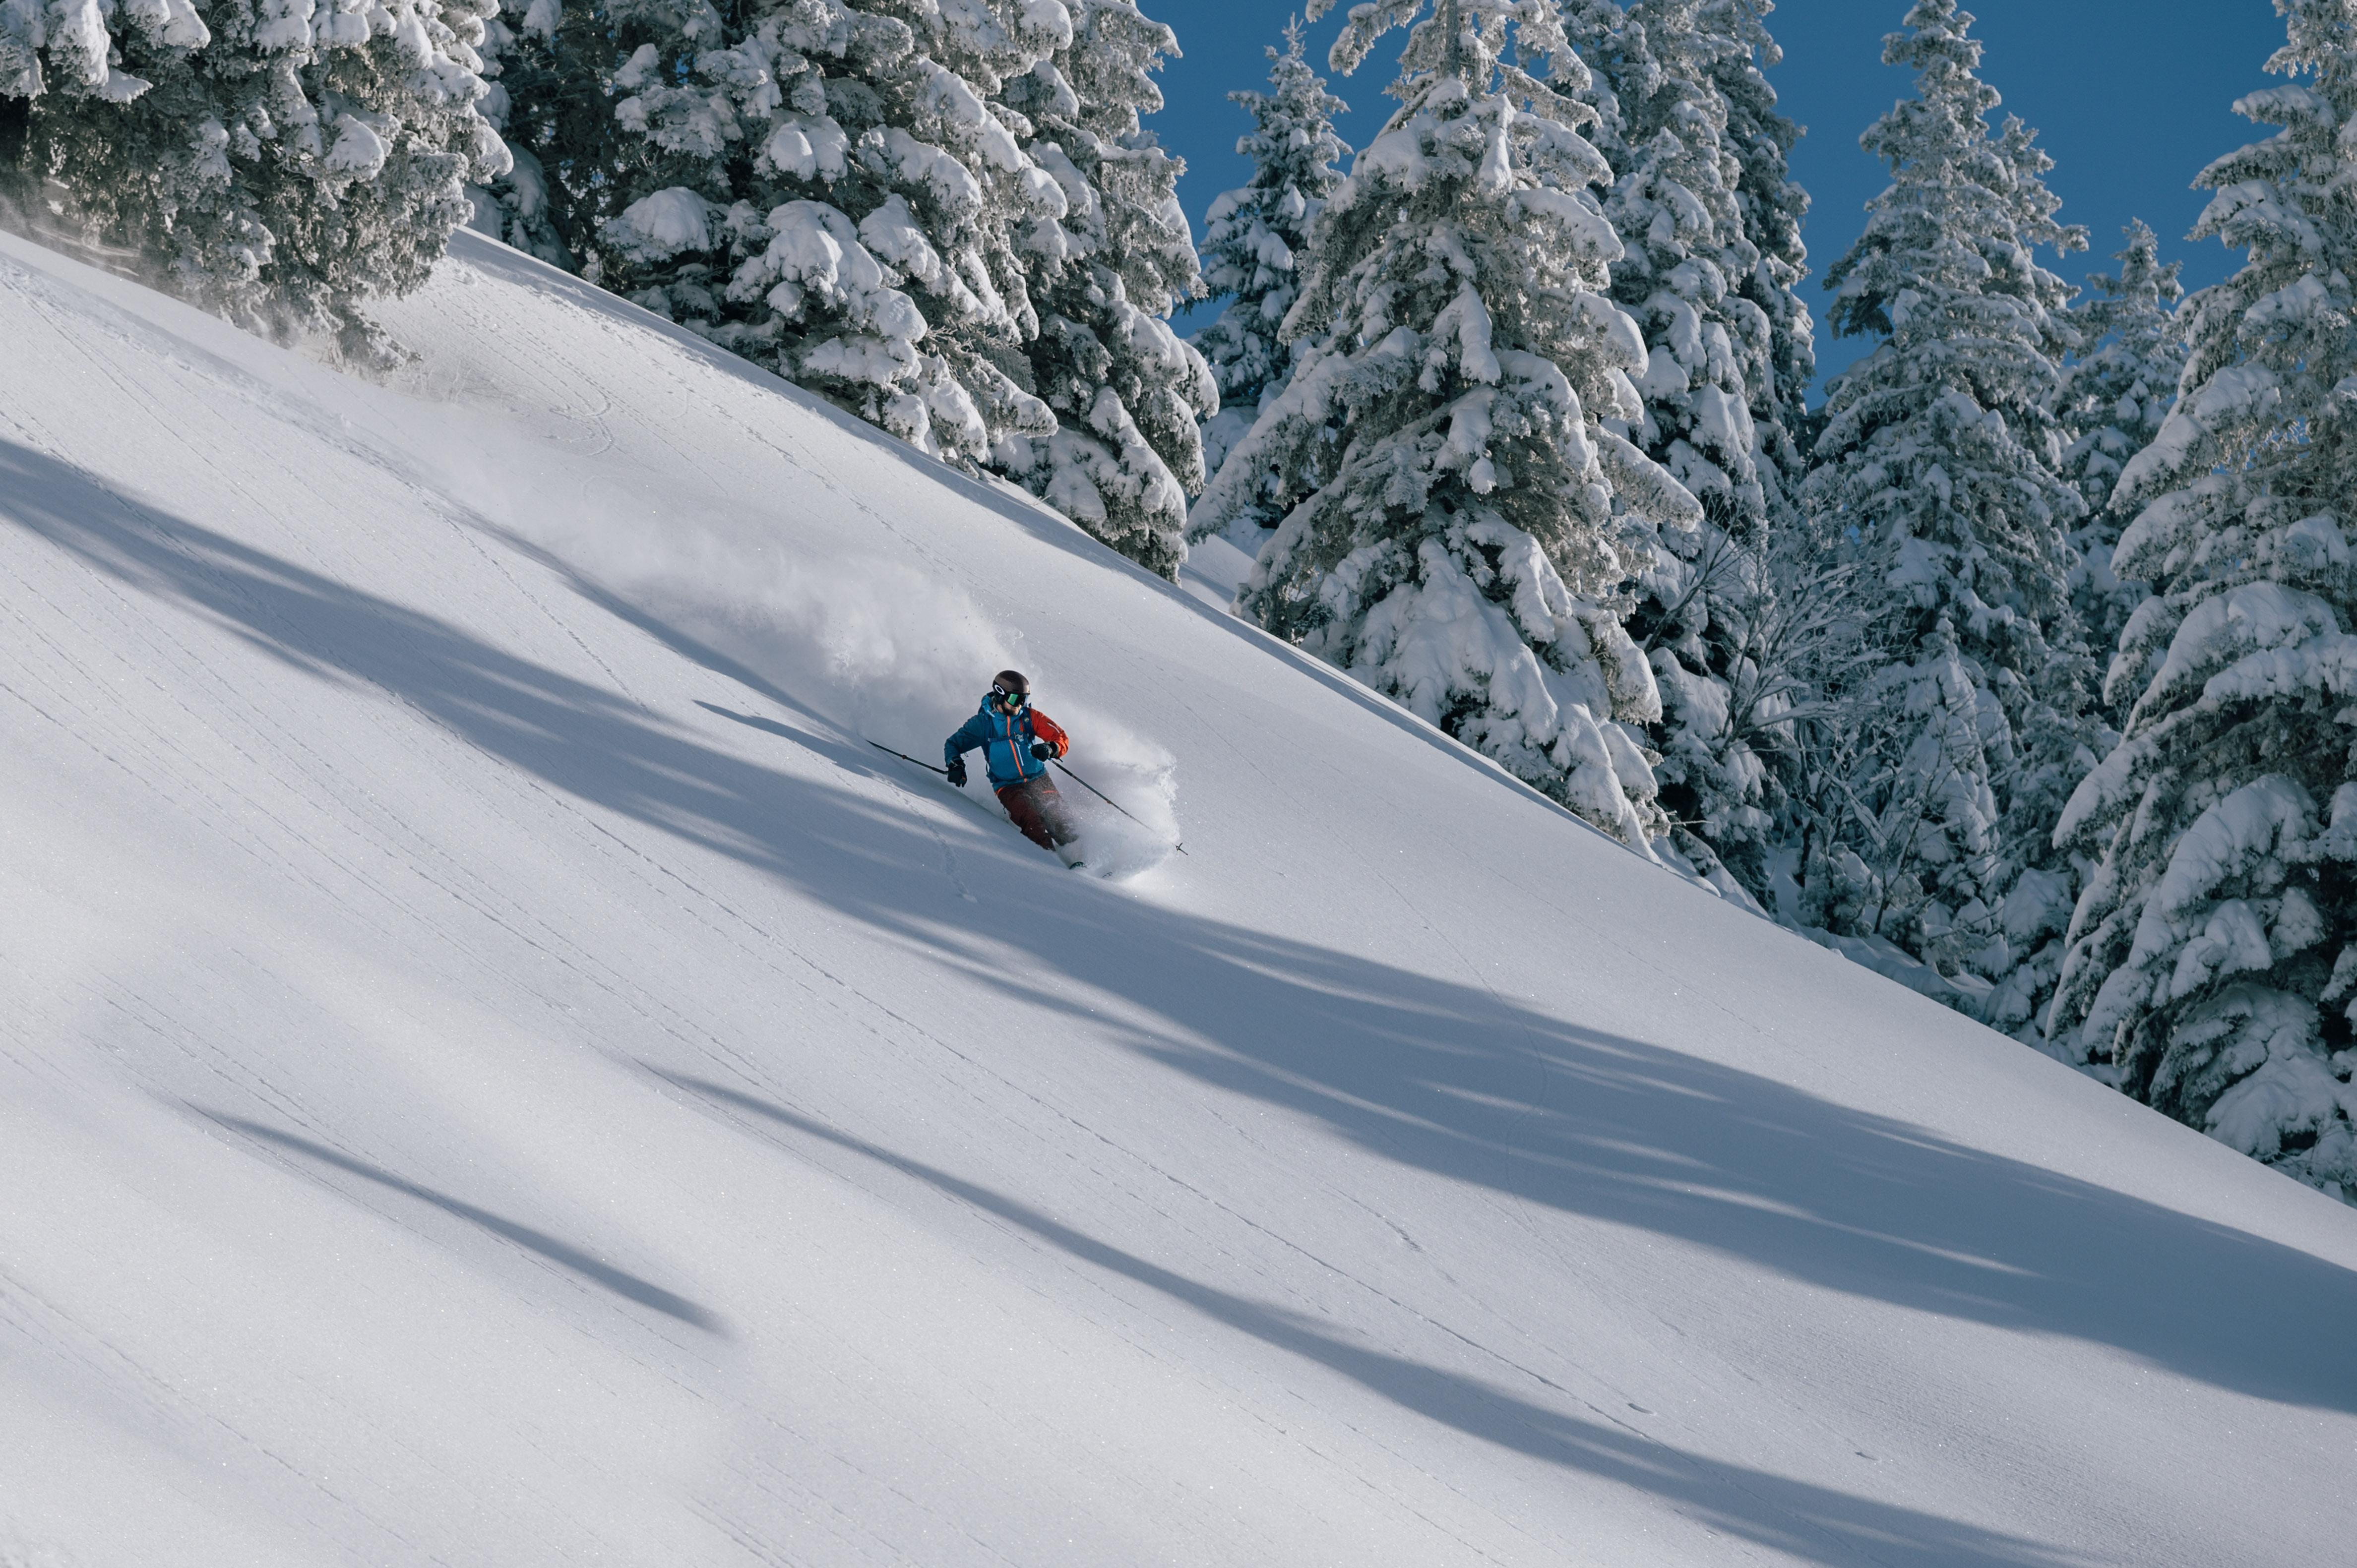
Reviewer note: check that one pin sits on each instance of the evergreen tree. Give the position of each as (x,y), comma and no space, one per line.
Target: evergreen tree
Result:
(1712,406)
(1459,546)
(2113,400)
(805,184)
(552,67)
(2214,955)
(1776,621)
(948,219)
(1944,763)
(1256,238)
(1128,392)
(1773,206)
(279,164)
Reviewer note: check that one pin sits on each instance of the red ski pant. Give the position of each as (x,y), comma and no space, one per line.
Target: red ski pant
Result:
(1039,810)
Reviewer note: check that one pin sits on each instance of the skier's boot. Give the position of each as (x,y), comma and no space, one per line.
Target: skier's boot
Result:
(1070,853)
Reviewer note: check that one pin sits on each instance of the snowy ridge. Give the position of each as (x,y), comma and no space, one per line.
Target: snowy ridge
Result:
(500,1070)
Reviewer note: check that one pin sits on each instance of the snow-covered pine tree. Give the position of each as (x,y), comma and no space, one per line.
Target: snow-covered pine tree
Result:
(1711,380)
(552,67)
(1106,270)
(2214,955)
(1937,780)
(278,164)
(1458,547)
(805,184)
(1257,237)
(1774,207)
(2115,396)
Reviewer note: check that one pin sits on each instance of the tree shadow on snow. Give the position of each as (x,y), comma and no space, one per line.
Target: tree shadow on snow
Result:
(1790,1516)
(1439,1076)
(540,1243)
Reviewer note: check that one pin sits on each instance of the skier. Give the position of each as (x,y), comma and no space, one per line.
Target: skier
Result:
(1017,742)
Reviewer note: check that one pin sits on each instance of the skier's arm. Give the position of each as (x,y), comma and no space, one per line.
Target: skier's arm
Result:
(1047,729)
(970,734)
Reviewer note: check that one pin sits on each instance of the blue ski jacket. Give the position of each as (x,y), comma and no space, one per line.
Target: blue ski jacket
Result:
(1006,742)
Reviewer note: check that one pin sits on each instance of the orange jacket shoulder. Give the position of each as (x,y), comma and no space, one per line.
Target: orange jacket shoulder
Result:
(1047,729)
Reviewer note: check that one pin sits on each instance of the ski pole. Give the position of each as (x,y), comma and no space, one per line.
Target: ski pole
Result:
(906,757)
(1109,801)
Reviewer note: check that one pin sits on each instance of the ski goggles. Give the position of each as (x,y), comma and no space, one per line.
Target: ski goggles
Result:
(1007,699)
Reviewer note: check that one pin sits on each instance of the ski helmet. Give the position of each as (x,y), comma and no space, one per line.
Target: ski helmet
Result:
(1011,685)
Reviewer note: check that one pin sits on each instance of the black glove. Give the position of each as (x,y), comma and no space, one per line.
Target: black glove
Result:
(1041,750)
(957,771)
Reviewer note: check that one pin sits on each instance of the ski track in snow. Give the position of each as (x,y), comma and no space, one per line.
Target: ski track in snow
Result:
(502,1071)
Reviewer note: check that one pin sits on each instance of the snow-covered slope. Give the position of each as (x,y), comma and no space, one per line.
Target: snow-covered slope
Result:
(497,1070)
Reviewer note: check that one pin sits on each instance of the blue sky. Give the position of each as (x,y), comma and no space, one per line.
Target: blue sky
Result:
(2131,98)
